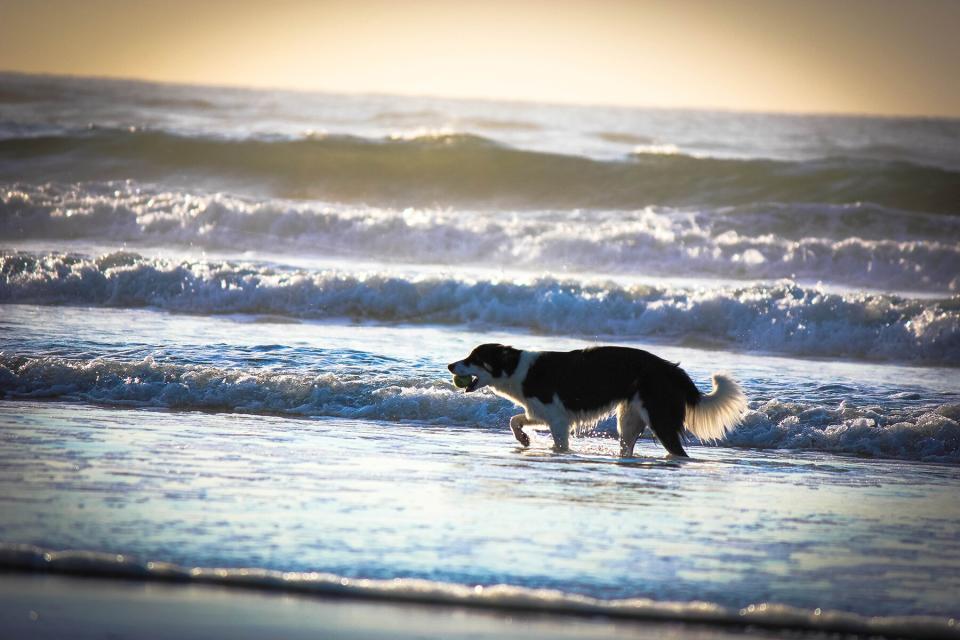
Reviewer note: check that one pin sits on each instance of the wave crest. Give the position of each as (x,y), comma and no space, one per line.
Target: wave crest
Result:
(148,383)
(465,168)
(927,432)
(779,317)
(842,244)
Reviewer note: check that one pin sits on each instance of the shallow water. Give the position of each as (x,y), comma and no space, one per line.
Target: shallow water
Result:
(377,500)
(256,364)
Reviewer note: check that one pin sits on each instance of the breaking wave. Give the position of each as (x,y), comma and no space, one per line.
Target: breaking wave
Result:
(778,317)
(926,433)
(469,169)
(501,597)
(846,244)
(915,432)
(148,383)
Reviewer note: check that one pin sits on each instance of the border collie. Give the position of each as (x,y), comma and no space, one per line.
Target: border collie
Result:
(573,391)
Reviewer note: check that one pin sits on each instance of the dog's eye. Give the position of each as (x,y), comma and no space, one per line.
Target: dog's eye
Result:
(488,367)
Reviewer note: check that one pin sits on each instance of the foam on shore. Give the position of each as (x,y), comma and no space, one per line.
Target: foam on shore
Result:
(915,432)
(501,597)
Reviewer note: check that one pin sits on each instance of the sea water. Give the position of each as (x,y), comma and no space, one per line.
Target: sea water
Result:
(226,316)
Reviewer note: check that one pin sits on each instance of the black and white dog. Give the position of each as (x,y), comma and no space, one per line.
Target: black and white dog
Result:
(572,391)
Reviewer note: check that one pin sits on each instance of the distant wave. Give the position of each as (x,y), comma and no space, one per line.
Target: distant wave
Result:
(929,433)
(430,117)
(499,124)
(24,89)
(469,169)
(502,597)
(842,244)
(780,317)
(621,137)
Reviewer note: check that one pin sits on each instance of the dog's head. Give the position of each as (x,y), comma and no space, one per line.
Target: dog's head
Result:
(487,364)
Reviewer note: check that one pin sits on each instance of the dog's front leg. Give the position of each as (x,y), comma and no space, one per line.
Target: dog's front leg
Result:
(561,435)
(517,423)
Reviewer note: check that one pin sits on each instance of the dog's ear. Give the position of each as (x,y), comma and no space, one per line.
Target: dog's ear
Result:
(509,359)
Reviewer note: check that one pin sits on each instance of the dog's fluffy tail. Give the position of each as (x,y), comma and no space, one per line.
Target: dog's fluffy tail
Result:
(710,416)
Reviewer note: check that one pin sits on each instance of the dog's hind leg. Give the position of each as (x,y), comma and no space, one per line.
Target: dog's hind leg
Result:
(668,433)
(666,420)
(517,423)
(630,426)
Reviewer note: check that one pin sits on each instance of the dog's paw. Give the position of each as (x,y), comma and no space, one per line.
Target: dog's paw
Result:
(522,437)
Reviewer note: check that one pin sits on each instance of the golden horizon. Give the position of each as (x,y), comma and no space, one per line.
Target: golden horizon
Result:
(861,57)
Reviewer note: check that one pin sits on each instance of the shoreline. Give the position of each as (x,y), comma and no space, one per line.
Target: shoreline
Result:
(24,567)
(54,606)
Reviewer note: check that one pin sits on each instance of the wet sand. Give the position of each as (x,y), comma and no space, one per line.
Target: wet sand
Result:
(45,606)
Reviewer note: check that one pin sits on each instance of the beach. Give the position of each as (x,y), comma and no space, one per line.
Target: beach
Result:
(43,607)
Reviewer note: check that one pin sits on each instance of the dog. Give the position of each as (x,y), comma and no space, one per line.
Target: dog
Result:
(572,391)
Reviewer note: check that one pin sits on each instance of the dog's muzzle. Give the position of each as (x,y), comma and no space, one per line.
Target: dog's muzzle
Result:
(459,369)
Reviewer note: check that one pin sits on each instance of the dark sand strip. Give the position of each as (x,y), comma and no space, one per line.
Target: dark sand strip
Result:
(50,606)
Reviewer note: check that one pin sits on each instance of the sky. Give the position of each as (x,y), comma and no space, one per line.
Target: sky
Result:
(838,56)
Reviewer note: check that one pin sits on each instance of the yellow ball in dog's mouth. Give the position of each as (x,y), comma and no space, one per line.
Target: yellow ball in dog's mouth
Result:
(462,381)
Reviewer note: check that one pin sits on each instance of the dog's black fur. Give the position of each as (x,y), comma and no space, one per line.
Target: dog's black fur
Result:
(589,379)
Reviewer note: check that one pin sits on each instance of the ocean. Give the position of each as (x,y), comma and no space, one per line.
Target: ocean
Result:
(225,316)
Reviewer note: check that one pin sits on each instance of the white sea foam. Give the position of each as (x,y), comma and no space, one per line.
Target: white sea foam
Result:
(148,383)
(504,597)
(844,244)
(779,317)
(926,432)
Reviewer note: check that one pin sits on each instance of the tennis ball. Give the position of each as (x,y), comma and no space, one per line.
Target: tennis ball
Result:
(462,381)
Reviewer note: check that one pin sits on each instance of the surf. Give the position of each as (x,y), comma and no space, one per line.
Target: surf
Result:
(775,317)
(913,431)
(466,169)
(841,244)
